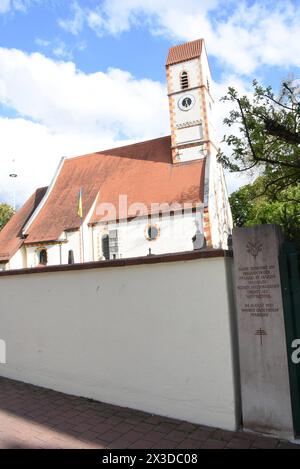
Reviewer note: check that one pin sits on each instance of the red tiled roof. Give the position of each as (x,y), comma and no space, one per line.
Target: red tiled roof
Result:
(143,171)
(10,240)
(183,52)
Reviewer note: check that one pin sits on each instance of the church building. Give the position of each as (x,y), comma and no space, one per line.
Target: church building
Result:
(159,196)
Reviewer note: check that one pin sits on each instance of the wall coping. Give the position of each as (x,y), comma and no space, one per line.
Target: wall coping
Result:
(150,259)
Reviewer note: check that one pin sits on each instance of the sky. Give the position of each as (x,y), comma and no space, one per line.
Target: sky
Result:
(84,75)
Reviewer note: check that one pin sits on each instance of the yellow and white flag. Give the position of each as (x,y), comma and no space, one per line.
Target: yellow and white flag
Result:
(79,208)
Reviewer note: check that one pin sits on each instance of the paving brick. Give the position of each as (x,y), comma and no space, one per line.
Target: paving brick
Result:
(102,427)
(145,427)
(154,419)
(110,436)
(133,436)
(141,444)
(223,435)
(32,417)
(115,420)
(239,444)
(244,435)
(213,444)
(187,427)
(154,436)
(175,435)
(123,427)
(165,444)
(265,443)
(90,435)
(120,443)
(190,444)
(165,427)
(82,427)
(201,434)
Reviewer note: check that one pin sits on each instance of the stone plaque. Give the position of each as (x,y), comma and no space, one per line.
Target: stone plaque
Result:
(266,401)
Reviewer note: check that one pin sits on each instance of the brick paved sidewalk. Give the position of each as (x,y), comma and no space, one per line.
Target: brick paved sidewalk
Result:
(33,417)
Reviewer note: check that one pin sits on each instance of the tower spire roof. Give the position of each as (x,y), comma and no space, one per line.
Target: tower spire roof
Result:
(183,52)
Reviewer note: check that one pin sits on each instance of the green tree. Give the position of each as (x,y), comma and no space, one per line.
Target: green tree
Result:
(249,208)
(6,212)
(266,138)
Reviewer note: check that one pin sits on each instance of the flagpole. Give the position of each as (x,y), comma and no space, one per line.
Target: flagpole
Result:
(82,238)
(81,234)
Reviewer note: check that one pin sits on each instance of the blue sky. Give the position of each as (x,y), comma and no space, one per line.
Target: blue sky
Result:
(79,76)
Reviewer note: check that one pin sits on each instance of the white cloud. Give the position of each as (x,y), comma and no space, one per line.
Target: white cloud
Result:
(70,113)
(74,24)
(37,152)
(76,113)
(59,48)
(62,51)
(42,42)
(15,5)
(64,98)
(222,109)
(242,35)
(4,6)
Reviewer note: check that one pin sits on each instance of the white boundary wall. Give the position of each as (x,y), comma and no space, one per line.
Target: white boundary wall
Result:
(157,337)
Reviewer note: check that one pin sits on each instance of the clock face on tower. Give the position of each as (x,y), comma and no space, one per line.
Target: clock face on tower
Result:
(186,102)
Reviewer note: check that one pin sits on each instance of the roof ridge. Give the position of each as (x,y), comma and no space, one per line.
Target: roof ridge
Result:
(104,152)
(135,144)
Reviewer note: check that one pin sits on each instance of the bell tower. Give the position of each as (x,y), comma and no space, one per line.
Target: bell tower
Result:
(190,102)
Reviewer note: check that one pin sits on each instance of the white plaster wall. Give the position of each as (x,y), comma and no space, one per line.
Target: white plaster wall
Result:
(218,204)
(192,67)
(211,119)
(53,253)
(175,235)
(189,134)
(153,337)
(73,243)
(18,260)
(206,75)
(193,114)
(191,153)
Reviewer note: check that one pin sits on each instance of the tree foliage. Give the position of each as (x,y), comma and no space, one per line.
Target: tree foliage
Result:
(267,138)
(6,212)
(249,208)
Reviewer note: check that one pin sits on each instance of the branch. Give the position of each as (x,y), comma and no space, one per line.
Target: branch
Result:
(280,163)
(278,102)
(279,130)
(246,129)
(285,85)
(245,169)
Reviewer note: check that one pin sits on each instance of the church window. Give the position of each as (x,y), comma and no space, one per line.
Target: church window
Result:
(113,243)
(43,257)
(105,246)
(184,80)
(152,232)
(71,257)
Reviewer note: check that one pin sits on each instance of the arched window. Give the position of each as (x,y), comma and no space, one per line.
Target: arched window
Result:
(105,246)
(43,257)
(71,257)
(184,80)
